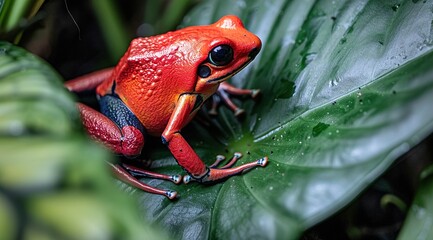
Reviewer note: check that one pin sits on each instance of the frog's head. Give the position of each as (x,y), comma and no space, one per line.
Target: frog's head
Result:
(228,47)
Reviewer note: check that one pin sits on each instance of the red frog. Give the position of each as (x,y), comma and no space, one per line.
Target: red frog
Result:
(157,88)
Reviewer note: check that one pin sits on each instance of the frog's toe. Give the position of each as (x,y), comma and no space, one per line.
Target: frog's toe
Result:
(218,160)
(176,178)
(263,161)
(170,194)
(239,112)
(187,179)
(255,93)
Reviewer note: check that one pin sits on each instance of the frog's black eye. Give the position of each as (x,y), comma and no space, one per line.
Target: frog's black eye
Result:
(221,55)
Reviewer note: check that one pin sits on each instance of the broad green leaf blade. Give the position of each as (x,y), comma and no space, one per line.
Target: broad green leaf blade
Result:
(54,183)
(356,137)
(347,88)
(419,222)
(32,96)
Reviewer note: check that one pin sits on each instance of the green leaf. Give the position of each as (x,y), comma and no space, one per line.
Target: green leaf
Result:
(54,183)
(29,104)
(14,16)
(347,88)
(419,221)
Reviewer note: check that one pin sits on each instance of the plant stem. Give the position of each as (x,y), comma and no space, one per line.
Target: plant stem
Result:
(111,24)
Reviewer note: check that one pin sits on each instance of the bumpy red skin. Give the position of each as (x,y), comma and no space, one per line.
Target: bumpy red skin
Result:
(157,80)
(156,70)
(128,140)
(171,60)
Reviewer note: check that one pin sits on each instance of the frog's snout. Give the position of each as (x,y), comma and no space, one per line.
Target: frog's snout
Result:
(254,52)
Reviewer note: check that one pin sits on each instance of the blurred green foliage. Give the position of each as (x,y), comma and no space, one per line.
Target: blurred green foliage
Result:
(47,190)
(13,15)
(419,221)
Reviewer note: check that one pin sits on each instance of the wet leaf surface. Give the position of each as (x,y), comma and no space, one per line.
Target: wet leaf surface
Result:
(347,88)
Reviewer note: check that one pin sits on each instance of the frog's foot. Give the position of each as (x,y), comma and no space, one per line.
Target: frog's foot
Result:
(135,171)
(215,174)
(223,93)
(124,175)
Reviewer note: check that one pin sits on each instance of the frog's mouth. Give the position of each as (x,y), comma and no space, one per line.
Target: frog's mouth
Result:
(230,74)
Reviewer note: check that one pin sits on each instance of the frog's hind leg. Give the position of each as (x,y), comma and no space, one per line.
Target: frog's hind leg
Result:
(120,130)
(135,171)
(127,177)
(89,81)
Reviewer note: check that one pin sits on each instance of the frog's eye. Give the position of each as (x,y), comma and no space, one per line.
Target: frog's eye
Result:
(221,55)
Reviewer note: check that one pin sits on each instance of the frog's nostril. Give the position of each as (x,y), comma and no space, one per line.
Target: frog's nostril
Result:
(254,52)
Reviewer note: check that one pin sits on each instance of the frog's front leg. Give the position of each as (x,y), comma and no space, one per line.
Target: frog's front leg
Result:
(223,95)
(119,129)
(186,157)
